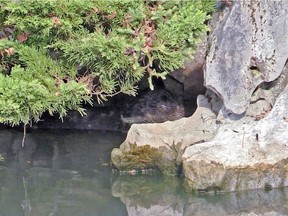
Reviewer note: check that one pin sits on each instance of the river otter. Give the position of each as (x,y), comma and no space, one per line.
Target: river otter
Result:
(155,106)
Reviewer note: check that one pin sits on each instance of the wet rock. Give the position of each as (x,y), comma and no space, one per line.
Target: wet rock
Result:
(248,47)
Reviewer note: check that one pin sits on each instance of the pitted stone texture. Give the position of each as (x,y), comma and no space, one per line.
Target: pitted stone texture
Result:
(248,47)
(243,156)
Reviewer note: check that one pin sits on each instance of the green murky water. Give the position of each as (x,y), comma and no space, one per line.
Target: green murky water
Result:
(67,173)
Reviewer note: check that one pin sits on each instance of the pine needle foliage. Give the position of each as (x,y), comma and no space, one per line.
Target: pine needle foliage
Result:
(43,44)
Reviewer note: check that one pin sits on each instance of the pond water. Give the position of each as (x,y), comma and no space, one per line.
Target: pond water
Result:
(67,173)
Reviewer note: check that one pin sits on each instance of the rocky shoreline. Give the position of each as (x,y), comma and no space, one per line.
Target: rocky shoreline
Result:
(237,138)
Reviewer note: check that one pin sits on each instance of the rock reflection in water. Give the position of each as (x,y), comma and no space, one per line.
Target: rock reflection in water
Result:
(150,195)
(165,196)
(67,174)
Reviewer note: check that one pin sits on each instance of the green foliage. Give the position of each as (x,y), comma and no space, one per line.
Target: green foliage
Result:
(36,87)
(43,44)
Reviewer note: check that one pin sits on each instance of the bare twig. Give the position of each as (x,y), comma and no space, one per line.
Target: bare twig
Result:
(24,135)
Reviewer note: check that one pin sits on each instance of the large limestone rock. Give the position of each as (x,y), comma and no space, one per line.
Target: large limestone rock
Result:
(166,140)
(240,141)
(248,156)
(250,150)
(249,46)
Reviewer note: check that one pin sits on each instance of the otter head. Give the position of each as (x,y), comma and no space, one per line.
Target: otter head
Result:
(155,106)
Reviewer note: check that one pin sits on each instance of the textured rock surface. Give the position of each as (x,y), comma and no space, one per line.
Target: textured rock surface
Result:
(249,46)
(171,138)
(242,156)
(250,149)
(239,142)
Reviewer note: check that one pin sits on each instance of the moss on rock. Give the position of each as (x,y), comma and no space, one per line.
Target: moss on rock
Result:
(143,157)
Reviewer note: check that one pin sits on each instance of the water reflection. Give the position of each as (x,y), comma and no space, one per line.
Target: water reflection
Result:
(150,195)
(58,173)
(165,196)
(67,173)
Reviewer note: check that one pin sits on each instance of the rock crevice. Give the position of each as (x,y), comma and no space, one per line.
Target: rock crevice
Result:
(237,138)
